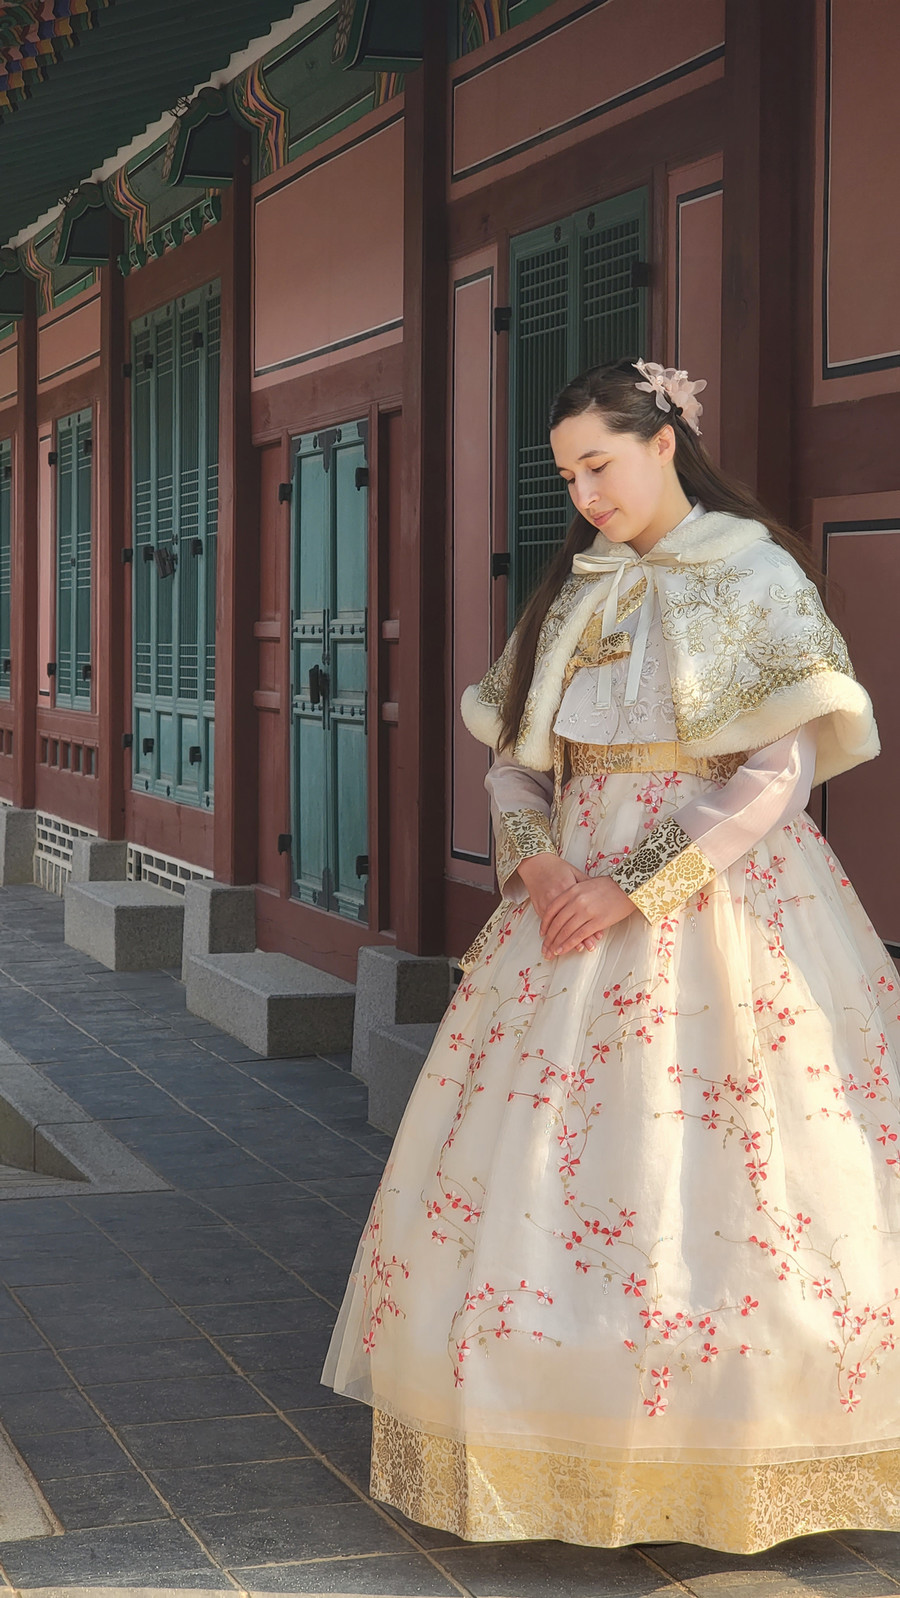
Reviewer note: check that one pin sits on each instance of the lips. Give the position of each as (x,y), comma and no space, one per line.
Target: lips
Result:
(600,521)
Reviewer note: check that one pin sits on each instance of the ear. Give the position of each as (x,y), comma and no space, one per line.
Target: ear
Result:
(665,444)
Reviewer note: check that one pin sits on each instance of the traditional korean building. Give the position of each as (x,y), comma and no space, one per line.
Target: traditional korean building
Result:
(285,291)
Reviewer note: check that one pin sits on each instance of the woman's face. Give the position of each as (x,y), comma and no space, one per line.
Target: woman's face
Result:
(619,483)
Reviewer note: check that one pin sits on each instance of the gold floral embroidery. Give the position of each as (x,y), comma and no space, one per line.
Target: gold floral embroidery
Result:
(592,650)
(489,1494)
(494,685)
(521,833)
(470,959)
(593,760)
(664,871)
(742,658)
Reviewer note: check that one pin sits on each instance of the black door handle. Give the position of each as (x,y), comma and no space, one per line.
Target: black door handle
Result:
(318,684)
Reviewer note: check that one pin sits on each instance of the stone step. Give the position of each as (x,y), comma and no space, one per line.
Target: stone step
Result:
(127,926)
(396,1057)
(276,1005)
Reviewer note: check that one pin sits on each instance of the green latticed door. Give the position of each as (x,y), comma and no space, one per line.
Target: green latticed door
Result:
(5,563)
(578,299)
(74,447)
(175,431)
(329,765)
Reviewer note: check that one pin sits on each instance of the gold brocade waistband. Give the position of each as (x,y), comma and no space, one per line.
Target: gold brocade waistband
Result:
(592,760)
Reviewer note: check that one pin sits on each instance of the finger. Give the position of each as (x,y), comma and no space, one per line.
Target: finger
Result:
(556,908)
(574,930)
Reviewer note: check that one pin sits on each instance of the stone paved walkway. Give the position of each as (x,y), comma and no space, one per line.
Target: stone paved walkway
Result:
(160,1353)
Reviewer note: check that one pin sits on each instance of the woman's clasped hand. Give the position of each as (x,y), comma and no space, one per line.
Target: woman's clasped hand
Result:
(574,909)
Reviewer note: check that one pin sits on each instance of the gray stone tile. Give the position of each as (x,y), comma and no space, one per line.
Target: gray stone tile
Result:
(95,1328)
(114,1499)
(802,1559)
(83,1453)
(554,1570)
(242,1272)
(240,1489)
(202,1171)
(38,1217)
(59,1409)
(30,1372)
(274,1315)
(338,1429)
(191,1398)
(122,1287)
(118,1095)
(352,1194)
(882,1548)
(141,1362)
(132,1555)
(300,1390)
(273,1536)
(261,1205)
(17,1335)
(283,1350)
(180,1444)
(392,1575)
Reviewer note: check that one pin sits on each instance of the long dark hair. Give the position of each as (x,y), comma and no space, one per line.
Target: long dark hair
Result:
(626,409)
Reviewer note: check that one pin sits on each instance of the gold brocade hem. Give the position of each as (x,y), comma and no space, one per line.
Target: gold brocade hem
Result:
(509,1495)
(521,834)
(664,871)
(593,760)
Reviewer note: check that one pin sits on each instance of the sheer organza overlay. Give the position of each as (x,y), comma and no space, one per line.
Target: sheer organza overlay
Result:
(644,1205)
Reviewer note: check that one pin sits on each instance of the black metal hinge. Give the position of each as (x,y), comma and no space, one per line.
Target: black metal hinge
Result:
(127,557)
(127,369)
(640,274)
(361,477)
(285,841)
(500,563)
(127,740)
(51,668)
(285,490)
(52,457)
(502,318)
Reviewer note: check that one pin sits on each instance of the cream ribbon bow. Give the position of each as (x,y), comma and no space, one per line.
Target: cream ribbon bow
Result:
(592,563)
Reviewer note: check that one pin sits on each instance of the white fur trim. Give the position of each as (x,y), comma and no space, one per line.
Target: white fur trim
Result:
(846,735)
(482,721)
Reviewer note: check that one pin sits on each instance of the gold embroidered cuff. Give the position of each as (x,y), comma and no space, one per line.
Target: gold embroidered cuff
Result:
(521,833)
(664,871)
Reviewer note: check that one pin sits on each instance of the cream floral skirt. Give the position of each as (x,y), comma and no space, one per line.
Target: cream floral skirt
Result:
(633,1270)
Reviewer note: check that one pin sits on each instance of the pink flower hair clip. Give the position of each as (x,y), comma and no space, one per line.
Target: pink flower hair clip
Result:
(673,390)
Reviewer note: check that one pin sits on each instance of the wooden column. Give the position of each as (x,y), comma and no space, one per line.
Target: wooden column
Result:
(422,553)
(24,559)
(237,602)
(761,51)
(109,540)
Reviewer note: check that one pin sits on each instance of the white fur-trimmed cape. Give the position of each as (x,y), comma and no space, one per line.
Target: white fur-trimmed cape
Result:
(751,651)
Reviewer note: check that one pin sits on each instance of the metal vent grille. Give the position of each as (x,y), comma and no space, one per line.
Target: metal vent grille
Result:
(53,851)
(161,870)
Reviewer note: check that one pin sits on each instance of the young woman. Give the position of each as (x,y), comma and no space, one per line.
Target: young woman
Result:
(633,1271)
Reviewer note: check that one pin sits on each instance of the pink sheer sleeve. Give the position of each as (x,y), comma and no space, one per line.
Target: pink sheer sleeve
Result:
(520,812)
(769,790)
(685,851)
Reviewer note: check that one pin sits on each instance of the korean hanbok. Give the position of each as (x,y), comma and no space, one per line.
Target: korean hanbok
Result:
(633,1269)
